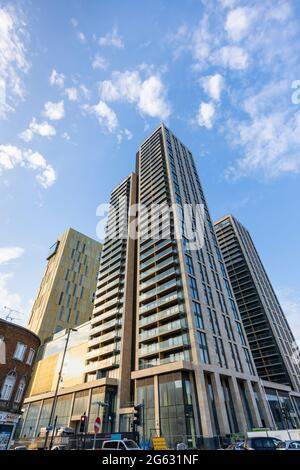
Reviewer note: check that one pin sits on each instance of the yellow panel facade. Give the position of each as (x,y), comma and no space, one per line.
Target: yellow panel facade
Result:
(65,297)
(46,370)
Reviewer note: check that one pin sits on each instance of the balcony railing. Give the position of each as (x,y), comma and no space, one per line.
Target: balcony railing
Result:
(169,312)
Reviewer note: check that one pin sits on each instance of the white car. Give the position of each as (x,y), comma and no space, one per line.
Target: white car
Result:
(124,444)
(289,445)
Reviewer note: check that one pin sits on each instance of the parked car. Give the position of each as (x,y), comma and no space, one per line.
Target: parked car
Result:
(20,448)
(124,444)
(59,447)
(261,443)
(236,446)
(288,445)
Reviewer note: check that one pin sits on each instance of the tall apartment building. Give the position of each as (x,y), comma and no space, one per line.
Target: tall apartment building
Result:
(112,332)
(65,297)
(270,338)
(174,334)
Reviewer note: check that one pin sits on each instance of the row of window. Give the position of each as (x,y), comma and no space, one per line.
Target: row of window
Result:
(20,351)
(9,385)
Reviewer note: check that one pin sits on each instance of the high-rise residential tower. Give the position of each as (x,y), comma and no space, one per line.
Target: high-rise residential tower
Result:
(112,326)
(271,340)
(65,297)
(165,322)
(193,366)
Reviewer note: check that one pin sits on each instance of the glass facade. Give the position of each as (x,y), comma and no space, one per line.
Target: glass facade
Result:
(176,410)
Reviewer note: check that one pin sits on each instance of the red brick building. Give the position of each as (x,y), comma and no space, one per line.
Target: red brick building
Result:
(18,347)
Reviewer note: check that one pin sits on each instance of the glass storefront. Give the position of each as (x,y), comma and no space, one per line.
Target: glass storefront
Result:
(176,410)
(145,392)
(45,415)
(29,428)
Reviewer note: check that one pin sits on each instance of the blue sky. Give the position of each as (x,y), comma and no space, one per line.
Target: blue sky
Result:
(83,83)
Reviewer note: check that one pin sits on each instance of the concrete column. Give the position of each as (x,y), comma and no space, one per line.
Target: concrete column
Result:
(239,410)
(220,404)
(267,415)
(207,430)
(197,417)
(252,404)
(156,405)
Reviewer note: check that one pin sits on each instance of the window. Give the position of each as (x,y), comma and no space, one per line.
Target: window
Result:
(8,386)
(241,334)
(20,391)
(248,360)
(30,356)
(198,315)
(203,347)
(60,298)
(189,264)
(20,351)
(193,288)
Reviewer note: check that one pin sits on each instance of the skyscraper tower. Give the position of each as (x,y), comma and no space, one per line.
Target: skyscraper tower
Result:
(271,340)
(65,296)
(193,366)
(176,329)
(112,332)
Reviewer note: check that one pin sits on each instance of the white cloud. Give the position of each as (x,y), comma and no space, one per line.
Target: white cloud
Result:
(81,37)
(233,57)
(128,134)
(7,298)
(112,39)
(13,61)
(100,62)
(124,133)
(238,23)
(72,93)
(106,116)
(270,145)
(66,136)
(10,253)
(57,79)
(269,139)
(54,111)
(43,129)
(149,94)
(12,156)
(74,22)
(213,85)
(206,113)
(75,94)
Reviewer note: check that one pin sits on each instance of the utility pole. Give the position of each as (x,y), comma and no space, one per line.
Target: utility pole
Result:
(57,387)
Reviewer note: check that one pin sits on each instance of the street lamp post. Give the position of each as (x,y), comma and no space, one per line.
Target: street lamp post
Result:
(99,404)
(57,386)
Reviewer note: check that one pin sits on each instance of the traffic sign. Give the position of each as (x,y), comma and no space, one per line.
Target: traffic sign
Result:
(97,425)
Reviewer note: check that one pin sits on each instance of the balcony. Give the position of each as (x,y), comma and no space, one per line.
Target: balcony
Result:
(115,313)
(171,343)
(111,348)
(158,290)
(180,356)
(156,279)
(163,300)
(106,363)
(162,330)
(103,338)
(107,305)
(170,312)
(158,267)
